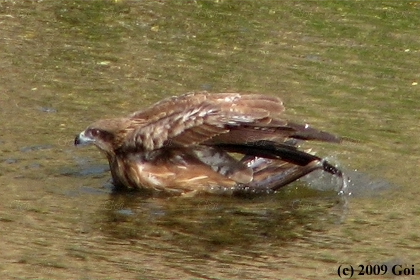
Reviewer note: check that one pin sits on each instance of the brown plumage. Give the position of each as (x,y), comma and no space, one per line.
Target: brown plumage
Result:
(188,143)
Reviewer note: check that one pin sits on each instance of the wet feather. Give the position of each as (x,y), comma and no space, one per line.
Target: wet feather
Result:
(184,144)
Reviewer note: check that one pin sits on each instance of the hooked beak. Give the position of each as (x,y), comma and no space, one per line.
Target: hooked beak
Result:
(83,140)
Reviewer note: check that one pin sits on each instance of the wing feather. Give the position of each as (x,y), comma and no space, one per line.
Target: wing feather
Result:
(194,118)
(204,118)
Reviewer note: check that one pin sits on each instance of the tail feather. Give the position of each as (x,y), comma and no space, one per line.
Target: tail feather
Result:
(276,165)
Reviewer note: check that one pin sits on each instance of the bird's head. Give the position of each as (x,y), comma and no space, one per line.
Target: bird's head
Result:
(107,134)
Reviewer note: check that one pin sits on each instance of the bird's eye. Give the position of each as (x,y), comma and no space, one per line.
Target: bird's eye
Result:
(95,132)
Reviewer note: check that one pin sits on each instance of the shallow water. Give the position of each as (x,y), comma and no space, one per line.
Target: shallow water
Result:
(346,67)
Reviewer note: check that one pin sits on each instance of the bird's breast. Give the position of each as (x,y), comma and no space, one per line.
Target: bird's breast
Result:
(172,173)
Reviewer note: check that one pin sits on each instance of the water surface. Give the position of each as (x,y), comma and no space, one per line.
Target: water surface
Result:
(349,67)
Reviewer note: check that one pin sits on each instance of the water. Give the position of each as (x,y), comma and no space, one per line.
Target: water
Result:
(346,67)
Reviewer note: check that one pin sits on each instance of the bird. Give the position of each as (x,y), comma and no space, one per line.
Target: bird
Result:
(201,142)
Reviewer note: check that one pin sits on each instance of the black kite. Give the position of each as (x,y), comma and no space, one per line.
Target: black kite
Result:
(191,143)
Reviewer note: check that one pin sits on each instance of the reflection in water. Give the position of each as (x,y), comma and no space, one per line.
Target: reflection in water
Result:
(207,222)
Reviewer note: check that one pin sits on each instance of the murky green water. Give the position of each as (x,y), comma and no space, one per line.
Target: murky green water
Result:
(349,67)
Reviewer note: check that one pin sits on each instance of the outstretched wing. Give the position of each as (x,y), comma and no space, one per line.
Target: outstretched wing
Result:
(203,118)
(195,118)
